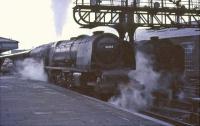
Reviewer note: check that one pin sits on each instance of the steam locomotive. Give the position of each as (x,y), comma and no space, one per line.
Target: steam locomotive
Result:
(165,55)
(167,59)
(101,61)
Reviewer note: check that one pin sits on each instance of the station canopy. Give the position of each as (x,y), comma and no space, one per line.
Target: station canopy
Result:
(7,44)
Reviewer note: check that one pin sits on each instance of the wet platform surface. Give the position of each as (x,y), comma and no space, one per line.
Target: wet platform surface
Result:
(34,103)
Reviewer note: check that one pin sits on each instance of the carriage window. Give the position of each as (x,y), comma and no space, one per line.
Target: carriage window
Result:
(188,47)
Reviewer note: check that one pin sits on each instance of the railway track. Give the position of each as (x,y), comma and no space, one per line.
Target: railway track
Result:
(166,118)
(179,113)
(183,112)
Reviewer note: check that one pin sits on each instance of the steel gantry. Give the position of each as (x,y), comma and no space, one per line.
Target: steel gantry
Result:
(127,15)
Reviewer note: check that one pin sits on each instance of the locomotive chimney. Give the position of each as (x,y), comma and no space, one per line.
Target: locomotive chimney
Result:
(98,32)
(72,38)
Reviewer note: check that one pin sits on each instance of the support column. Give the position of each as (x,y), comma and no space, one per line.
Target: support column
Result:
(121,31)
(131,32)
(131,28)
(126,25)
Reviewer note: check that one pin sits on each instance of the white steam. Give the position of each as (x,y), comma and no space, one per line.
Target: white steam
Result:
(59,8)
(31,69)
(137,94)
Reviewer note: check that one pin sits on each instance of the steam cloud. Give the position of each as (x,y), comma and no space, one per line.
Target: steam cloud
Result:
(31,69)
(137,94)
(59,8)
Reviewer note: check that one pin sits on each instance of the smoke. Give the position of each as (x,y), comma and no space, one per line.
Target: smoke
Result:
(59,8)
(31,69)
(138,93)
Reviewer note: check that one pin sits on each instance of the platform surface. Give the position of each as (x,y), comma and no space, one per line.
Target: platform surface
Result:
(34,103)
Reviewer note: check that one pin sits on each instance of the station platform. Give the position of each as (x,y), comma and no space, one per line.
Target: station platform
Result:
(35,103)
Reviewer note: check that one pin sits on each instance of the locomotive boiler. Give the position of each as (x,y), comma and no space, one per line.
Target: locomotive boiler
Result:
(100,51)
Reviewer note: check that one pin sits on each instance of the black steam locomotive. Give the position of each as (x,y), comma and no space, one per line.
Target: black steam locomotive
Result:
(100,60)
(165,56)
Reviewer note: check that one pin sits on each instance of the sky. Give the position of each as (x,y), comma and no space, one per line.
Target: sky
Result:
(36,22)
